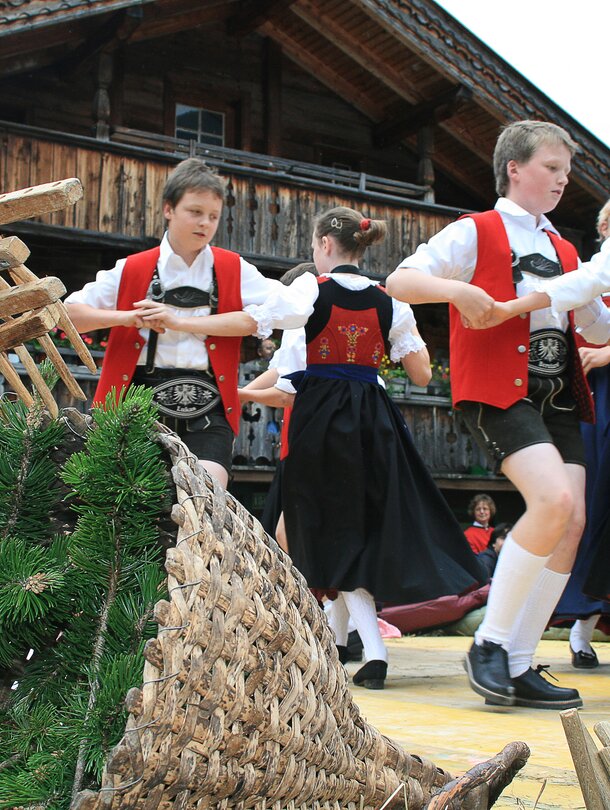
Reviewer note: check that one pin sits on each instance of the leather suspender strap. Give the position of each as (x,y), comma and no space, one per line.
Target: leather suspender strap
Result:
(155,293)
(185,297)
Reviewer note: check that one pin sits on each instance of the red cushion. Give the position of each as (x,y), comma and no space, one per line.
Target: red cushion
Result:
(434,612)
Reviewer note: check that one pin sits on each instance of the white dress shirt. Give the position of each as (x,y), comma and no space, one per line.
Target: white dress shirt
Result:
(182,349)
(452,254)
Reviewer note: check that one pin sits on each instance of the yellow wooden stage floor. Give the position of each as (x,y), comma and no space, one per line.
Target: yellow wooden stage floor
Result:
(428,707)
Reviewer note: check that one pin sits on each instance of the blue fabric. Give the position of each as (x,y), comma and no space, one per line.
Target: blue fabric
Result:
(338,371)
(574,603)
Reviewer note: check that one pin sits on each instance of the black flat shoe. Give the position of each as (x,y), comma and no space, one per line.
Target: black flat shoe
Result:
(532,690)
(487,667)
(371,675)
(584,660)
(343,654)
(354,646)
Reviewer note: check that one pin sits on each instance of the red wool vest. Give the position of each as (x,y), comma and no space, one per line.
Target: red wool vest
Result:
(125,343)
(490,365)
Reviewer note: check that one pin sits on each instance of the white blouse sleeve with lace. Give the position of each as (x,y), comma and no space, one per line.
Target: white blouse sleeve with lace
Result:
(285,307)
(402,336)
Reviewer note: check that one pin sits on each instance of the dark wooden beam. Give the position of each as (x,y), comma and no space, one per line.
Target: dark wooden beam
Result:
(252,14)
(272,97)
(433,111)
(110,35)
(173,18)
(356,48)
(318,68)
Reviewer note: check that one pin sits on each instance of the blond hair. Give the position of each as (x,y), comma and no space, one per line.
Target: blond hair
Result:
(603,218)
(518,141)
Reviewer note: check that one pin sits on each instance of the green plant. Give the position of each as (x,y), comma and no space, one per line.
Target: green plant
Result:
(62,341)
(441,377)
(388,369)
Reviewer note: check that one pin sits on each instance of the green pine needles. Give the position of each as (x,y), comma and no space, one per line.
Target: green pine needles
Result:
(76,606)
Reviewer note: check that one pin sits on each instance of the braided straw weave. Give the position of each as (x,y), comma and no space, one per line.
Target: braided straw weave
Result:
(244,703)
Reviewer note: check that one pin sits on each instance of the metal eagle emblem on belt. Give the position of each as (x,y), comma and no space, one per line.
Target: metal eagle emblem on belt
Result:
(185,398)
(548,354)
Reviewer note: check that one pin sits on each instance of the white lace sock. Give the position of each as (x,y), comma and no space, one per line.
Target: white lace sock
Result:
(361,607)
(582,633)
(338,617)
(533,619)
(513,579)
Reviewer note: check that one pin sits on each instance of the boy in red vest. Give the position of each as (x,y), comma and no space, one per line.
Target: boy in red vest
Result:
(176,317)
(521,390)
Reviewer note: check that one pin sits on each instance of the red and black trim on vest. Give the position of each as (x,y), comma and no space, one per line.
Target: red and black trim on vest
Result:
(491,365)
(125,343)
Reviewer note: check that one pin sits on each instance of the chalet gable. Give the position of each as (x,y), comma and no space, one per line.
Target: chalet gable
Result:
(432,96)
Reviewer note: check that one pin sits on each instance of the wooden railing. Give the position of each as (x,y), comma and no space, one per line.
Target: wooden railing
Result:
(270,203)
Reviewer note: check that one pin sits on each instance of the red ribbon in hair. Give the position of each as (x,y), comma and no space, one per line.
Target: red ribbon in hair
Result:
(365,224)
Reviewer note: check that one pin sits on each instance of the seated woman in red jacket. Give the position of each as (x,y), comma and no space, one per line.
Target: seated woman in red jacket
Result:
(482,510)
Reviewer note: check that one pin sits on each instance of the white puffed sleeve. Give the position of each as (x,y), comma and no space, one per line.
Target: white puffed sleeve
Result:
(574,289)
(402,338)
(285,307)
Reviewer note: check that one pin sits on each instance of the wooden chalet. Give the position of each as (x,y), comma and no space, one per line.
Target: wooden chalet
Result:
(389,106)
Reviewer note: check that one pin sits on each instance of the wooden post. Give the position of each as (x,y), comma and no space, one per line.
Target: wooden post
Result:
(101,100)
(272,97)
(425,169)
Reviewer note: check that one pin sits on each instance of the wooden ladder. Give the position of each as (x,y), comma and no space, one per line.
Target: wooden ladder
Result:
(592,765)
(30,306)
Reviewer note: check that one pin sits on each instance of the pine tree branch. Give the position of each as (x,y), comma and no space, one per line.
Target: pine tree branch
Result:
(33,422)
(98,651)
(10,761)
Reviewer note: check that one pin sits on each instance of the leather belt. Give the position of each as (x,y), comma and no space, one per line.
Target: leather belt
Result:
(549,353)
(181,393)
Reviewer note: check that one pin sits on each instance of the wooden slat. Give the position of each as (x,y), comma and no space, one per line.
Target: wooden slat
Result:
(37,200)
(33,295)
(592,776)
(10,251)
(63,165)
(29,326)
(14,380)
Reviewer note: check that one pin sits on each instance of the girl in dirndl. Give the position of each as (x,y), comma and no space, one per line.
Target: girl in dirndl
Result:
(363,515)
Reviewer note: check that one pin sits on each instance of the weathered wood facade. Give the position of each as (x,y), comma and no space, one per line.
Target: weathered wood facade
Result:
(268,215)
(389,106)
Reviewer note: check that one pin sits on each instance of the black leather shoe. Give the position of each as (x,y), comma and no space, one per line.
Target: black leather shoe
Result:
(371,675)
(584,660)
(342,653)
(487,668)
(354,646)
(532,690)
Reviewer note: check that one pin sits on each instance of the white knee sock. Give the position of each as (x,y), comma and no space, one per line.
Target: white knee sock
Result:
(513,579)
(361,607)
(533,619)
(338,617)
(582,633)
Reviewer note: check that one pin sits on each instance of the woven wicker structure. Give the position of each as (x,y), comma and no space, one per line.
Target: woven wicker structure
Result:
(244,703)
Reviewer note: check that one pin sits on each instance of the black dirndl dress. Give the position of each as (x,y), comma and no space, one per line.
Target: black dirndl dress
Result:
(360,507)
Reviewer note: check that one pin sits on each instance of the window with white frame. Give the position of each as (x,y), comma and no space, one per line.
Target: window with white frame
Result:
(199,124)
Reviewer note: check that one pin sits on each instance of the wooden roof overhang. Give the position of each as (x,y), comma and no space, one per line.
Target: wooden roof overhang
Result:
(404,64)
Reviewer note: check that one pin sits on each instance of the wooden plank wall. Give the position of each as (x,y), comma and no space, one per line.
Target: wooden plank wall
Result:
(262,218)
